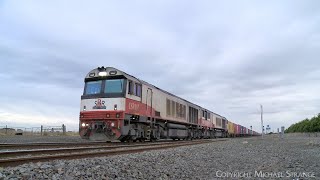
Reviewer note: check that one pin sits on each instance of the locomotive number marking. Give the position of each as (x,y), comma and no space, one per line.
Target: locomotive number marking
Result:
(133,106)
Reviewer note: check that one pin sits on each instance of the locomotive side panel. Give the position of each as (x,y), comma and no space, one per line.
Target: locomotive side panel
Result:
(206,119)
(158,102)
(193,114)
(148,100)
(170,107)
(132,92)
(218,120)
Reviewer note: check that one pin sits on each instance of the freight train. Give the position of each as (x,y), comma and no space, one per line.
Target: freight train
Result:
(119,106)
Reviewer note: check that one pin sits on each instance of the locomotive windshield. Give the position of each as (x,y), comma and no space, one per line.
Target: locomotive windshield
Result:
(113,86)
(106,88)
(93,87)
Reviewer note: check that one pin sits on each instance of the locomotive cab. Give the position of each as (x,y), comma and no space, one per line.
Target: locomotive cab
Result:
(102,104)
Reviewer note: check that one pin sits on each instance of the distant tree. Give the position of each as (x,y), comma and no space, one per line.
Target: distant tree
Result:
(306,125)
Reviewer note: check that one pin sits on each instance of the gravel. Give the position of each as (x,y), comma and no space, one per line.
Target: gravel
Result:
(239,158)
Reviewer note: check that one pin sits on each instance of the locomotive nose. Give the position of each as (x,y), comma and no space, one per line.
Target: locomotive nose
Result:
(102,132)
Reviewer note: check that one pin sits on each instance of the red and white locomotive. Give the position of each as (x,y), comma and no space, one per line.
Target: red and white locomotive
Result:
(118,106)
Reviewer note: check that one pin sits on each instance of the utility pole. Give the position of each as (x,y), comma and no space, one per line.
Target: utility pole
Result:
(261,120)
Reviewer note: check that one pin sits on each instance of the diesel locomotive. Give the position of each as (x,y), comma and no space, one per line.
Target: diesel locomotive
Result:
(119,106)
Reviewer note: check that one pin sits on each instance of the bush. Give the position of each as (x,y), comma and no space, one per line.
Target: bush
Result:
(312,125)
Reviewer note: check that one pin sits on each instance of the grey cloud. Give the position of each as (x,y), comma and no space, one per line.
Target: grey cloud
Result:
(226,56)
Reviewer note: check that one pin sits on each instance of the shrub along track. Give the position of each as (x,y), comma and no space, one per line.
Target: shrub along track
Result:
(14,158)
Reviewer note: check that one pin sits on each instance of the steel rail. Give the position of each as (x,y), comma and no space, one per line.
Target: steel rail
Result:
(41,158)
(57,145)
(36,145)
(78,149)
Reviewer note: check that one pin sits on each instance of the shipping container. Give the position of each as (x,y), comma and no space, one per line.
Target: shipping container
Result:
(241,130)
(235,129)
(231,128)
(238,130)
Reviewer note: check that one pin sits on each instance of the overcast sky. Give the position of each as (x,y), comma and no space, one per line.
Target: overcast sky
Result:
(226,56)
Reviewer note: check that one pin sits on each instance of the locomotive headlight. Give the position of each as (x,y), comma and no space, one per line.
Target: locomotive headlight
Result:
(83,124)
(102,73)
(112,124)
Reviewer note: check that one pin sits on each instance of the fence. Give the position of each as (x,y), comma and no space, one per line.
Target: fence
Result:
(33,131)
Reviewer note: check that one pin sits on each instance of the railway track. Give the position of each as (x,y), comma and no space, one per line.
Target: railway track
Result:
(46,145)
(14,158)
(50,150)
(18,146)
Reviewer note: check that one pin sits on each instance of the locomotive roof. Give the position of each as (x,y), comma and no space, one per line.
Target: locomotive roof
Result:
(128,76)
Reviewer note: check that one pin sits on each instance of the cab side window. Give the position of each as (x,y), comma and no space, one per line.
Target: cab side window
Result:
(130,87)
(138,90)
(134,88)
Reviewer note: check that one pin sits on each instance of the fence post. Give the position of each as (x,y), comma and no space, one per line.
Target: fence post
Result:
(6,129)
(64,129)
(41,130)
